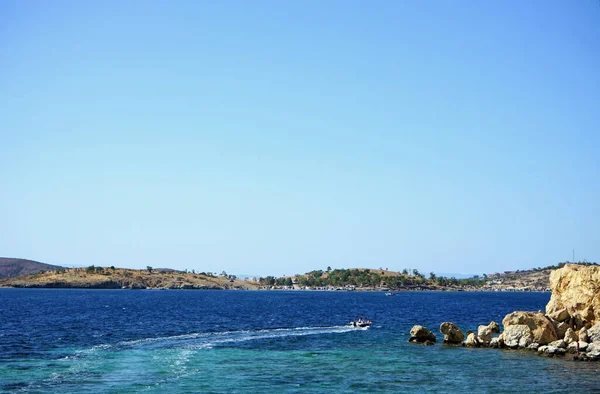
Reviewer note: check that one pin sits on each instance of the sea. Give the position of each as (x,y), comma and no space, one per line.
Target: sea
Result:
(178,341)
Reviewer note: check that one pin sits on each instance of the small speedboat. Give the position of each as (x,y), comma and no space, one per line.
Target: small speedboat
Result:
(360,324)
(390,293)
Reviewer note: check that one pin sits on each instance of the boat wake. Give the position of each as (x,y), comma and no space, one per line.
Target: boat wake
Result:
(209,340)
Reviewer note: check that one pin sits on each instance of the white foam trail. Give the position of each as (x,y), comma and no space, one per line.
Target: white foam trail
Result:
(210,339)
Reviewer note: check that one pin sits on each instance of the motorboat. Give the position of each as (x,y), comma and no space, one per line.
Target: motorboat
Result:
(360,323)
(390,293)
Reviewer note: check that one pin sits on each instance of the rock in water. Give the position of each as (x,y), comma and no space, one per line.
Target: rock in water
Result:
(517,335)
(540,328)
(452,334)
(485,332)
(421,334)
(472,340)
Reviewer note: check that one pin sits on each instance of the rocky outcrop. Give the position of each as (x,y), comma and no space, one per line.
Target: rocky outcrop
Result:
(522,325)
(570,326)
(485,332)
(421,334)
(575,295)
(452,334)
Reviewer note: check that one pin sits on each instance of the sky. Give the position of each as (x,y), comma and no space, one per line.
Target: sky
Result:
(276,138)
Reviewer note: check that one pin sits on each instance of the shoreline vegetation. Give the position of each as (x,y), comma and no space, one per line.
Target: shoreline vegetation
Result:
(357,279)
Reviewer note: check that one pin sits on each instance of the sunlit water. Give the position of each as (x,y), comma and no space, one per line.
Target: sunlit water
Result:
(117,341)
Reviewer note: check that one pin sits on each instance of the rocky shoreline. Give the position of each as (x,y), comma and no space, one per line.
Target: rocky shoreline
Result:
(570,327)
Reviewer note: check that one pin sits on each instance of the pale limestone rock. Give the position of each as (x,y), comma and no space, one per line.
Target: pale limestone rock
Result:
(561,329)
(452,334)
(576,289)
(594,333)
(583,335)
(517,335)
(559,344)
(485,332)
(497,342)
(551,350)
(472,340)
(495,327)
(421,334)
(570,336)
(560,316)
(542,330)
(572,348)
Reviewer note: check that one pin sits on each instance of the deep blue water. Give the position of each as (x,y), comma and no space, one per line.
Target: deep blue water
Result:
(112,341)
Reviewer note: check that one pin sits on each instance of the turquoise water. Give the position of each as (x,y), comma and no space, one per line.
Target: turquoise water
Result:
(112,341)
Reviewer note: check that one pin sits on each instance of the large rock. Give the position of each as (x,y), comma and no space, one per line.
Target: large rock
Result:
(583,335)
(551,350)
(561,329)
(576,293)
(517,335)
(485,332)
(421,334)
(540,328)
(452,334)
(570,336)
(472,340)
(594,333)
(560,316)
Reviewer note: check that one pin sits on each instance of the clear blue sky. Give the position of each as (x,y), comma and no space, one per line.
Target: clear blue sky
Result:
(279,137)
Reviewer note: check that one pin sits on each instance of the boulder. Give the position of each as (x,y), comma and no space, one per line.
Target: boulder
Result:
(560,315)
(551,351)
(517,335)
(497,342)
(533,347)
(559,344)
(561,329)
(472,340)
(485,332)
(575,289)
(452,334)
(570,336)
(495,327)
(421,334)
(574,348)
(583,335)
(592,352)
(541,329)
(594,333)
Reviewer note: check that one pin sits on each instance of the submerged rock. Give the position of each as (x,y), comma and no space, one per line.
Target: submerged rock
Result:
(421,334)
(452,334)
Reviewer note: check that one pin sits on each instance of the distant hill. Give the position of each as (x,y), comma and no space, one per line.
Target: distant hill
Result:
(11,268)
(118,278)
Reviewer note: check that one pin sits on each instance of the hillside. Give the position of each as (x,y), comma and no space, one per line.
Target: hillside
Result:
(11,267)
(117,278)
